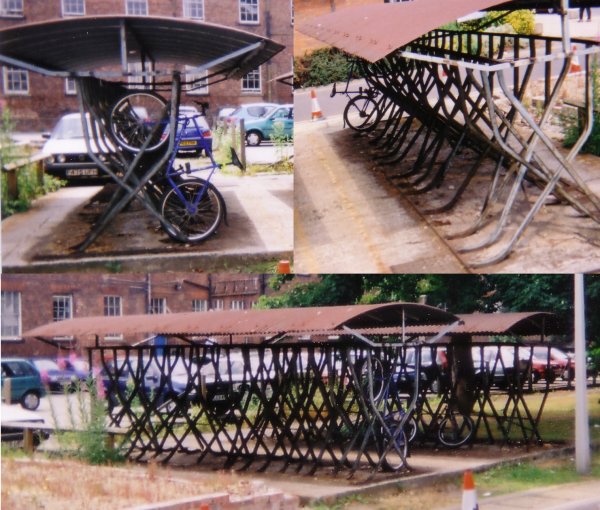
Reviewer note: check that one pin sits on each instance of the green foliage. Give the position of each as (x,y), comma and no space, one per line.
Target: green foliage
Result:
(321,67)
(88,439)
(27,179)
(572,125)
(522,21)
(281,141)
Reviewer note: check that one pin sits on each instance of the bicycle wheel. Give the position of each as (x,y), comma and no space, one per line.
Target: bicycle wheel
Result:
(377,377)
(394,458)
(188,223)
(455,430)
(134,118)
(361,113)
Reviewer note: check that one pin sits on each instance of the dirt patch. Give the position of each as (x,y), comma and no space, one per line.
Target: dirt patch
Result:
(30,484)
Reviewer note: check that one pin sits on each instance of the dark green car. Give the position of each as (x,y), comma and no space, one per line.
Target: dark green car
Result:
(25,382)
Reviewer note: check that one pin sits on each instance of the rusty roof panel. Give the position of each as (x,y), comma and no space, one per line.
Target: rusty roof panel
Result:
(373,31)
(512,323)
(250,322)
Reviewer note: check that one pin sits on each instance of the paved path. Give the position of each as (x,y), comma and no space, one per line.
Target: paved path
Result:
(346,220)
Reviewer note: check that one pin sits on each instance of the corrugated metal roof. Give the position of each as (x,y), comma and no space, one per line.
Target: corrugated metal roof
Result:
(87,43)
(512,323)
(373,31)
(250,322)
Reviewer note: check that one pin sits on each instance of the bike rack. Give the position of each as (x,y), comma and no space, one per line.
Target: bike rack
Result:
(161,46)
(458,95)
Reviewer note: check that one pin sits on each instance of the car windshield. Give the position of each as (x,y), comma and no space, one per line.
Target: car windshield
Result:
(68,128)
(46,364)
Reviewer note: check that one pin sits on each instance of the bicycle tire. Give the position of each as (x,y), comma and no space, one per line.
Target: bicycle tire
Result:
(411,429)
(130,129)
(195,226)
(361,113)
(377,375)
(395,458)
(455,430)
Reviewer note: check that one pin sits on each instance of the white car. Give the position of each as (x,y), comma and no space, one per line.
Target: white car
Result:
(66,154)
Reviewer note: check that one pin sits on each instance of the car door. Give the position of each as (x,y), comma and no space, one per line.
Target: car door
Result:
(284,116)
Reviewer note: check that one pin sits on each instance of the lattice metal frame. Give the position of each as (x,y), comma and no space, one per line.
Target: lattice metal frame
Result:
(297,406)
(441,92)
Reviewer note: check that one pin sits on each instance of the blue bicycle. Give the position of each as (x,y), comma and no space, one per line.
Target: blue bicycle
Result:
(191,206)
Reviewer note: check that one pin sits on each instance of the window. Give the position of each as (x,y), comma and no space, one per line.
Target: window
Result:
(113,308)
(62,307)
(70,87)
(136,7)
(16,81)
(158,305)
(11,314)
(237,304)
(251,82)
(73,7)
(218,304)
(200,87)
(199,305)
(249,11)
(11,8)
(193,9)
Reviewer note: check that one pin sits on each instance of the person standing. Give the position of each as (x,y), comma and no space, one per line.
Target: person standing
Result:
(588,11)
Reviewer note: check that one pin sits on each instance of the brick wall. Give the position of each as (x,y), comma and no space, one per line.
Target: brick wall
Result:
(47,100)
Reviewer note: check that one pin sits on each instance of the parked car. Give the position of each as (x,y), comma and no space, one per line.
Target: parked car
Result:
(58,379)
(197,136)
(224,113)
(560,360)
(26,385)
(66,155)
(265,127)
(250,111)
(79,366)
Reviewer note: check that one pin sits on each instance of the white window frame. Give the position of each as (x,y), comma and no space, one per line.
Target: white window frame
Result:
(137,2)
(70,87)
(292,14)
(5,74)
(158,305)
(113,307)
(218,304)
(16,314)
(237,304)
(187,9)
(258,90)
(193,89)
(249,3)
(64,10)
(14,12)
(199,305)
(65,299)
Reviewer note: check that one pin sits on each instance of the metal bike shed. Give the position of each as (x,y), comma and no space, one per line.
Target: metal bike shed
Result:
(444,92)
(298,389)
(97,52)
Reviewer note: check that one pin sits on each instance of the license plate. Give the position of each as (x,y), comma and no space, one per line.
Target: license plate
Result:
(187,143)
(219,398)
(81,172)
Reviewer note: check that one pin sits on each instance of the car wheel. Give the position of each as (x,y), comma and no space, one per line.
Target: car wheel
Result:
(253,138)
(30,401)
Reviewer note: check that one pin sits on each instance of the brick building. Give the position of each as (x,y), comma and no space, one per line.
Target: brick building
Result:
(30,300)
(36,102)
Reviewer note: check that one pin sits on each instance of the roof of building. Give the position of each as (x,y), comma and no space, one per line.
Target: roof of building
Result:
(251,322)
(84,45)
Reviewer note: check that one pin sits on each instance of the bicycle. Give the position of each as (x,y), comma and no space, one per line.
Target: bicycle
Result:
(192,207)
(362,112)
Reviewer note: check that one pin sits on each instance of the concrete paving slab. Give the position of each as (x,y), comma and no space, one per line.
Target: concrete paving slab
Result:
(347,220)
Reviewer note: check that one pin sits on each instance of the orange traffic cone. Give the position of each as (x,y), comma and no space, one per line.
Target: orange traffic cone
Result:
(283,267)
(316,109)
(469,497)
(575,65)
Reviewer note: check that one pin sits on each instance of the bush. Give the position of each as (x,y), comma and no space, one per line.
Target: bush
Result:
(522,21)
(321,67)
(571,125)
(27,181)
